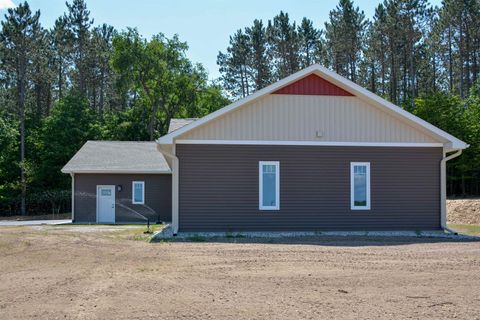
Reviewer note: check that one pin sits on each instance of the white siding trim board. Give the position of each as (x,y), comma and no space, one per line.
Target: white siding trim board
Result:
(314,143)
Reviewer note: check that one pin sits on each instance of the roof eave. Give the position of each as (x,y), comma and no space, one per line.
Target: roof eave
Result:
(117,171)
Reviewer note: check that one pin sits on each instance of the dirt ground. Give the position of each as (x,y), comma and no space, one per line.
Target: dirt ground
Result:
(55,272)
(463,211)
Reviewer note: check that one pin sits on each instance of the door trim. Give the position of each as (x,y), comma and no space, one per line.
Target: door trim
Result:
(114,201)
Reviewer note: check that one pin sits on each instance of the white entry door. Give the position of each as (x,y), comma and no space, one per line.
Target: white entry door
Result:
(106,204)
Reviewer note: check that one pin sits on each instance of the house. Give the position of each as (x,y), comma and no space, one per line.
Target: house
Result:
(313,151)
(120,182)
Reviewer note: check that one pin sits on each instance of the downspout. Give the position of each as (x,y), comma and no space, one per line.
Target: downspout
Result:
(73,196)
(175,175)
(443,188)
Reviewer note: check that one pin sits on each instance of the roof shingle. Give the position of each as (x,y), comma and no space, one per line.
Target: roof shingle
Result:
(178,123)
(117,157)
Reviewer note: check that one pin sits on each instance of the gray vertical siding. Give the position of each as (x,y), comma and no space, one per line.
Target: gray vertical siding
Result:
(158,197)
(219,188)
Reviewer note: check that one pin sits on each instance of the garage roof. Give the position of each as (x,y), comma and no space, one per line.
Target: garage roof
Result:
(117,157)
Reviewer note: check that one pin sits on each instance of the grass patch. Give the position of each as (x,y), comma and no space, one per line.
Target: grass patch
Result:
(467,229)
(141,233)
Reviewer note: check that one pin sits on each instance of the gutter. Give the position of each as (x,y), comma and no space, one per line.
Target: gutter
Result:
(175,181)
(443,188)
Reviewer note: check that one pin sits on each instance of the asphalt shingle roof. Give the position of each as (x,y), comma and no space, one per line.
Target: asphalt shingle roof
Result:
(178,123)
(117,157)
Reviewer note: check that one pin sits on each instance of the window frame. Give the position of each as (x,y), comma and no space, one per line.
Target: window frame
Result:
(352,186)
(143,192)
(260,185)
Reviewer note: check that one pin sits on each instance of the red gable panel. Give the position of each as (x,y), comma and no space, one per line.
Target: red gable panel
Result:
(313,85)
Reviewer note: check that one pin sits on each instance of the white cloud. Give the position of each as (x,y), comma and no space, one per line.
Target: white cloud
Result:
(5,4)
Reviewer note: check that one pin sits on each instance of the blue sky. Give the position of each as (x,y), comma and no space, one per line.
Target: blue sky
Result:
(204,24)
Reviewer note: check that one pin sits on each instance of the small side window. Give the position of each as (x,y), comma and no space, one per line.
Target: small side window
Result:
(360,185)
(138,192)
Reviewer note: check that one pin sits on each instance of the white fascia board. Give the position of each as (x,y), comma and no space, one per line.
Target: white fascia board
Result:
(337,80)
(116,171)
(314,143)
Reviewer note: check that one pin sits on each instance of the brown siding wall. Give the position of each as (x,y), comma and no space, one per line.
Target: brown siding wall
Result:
(219,188)
(158,197)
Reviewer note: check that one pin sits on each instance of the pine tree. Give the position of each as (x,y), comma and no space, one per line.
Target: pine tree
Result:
(234,66)
(99,51)
(310,43)
(459,23)
(79,23)
(258,62)
(344,35)
(19,36)
(62,47)
(284,45)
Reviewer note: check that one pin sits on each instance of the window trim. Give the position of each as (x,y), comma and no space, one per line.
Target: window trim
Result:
(143,192)
(352,186)
(260,185)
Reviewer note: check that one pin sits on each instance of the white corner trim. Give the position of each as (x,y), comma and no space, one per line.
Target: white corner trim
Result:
(133,192)
(337,80)
(314,143)
(73,196)
(352,186)
(260,185)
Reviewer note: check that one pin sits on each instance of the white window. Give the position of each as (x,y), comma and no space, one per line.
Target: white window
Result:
(138,192)
(269,185)
(360,185)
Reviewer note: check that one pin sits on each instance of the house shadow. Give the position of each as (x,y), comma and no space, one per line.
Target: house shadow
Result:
(323,240)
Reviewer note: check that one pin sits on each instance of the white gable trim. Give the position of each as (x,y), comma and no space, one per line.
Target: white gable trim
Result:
(336,79)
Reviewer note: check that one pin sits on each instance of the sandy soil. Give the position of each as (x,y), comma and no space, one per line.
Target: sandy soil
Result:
(463,211)
(54,273)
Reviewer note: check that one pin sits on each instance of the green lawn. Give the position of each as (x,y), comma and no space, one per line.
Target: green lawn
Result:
(468,229)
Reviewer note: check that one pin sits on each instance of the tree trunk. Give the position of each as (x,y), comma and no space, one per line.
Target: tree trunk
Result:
(461,55)
(101,99)
(450,62)
(60,79)
(21,87)
(153,120)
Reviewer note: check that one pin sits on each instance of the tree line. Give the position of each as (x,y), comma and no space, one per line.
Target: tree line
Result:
(62,86)
(79,80)
(423,58)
